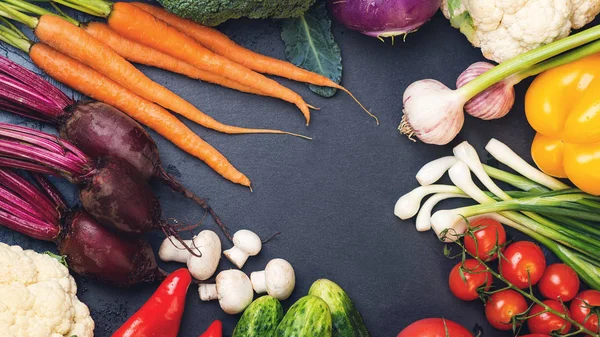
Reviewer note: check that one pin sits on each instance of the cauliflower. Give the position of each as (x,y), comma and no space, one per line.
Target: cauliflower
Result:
(506,28)
(38,297)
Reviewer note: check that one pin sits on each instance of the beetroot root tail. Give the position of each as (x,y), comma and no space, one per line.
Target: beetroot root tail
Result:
(178,187)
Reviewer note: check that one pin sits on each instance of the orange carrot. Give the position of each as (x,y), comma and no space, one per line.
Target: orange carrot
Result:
(220,44)
(91,83)
(141,26)
(76,43)
(138,53)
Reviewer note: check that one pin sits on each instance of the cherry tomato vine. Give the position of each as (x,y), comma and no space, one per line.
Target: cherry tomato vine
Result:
(520,318)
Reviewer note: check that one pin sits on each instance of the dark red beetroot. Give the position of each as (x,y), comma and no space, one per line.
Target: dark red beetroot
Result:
(94,251)
(91,249)
(96,128)
(117,196)
(112,190)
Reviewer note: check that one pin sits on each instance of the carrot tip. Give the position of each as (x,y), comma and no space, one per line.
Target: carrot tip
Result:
(358,102)
(297,135)
(313,107)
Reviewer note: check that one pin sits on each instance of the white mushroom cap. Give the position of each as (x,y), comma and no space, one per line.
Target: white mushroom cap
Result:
(171,250)
(278,279)
(209,244)
(233,290)
(245,243)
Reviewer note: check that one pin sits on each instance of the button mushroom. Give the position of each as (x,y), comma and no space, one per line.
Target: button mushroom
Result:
(245,243)
(278,279)
(233,289)
(204,266)
(171,250)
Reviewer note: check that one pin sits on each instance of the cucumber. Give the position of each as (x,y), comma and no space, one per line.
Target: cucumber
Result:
(346,320)
(309,317)
(260,319)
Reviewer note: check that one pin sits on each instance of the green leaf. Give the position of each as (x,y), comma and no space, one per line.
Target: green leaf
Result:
(60,258)
(309,44)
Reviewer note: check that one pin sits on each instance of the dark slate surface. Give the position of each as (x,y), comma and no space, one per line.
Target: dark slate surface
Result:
(332,198)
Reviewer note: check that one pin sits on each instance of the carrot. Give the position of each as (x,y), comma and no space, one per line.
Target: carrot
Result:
(141,26)
(76,43)
(219,43)
(91,83)
(138,53)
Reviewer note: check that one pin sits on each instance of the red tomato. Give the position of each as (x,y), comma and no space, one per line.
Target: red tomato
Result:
(522,261)
(435,327)
(559,282)
(580,309)
(488,233)
(502,307)
(546,322)
(475,276)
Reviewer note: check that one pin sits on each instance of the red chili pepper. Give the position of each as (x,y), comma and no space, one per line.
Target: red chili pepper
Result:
(214,330)
(161,315)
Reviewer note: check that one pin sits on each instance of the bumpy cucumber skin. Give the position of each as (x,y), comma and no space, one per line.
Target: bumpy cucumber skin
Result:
(260,319)
(308,317)
(346,320)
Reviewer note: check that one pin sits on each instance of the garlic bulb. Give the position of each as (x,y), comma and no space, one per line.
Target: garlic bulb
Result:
(432,112)
(492,103)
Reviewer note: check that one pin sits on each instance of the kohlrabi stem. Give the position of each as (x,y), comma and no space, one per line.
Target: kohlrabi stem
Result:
(571,56)
(529,295)
(527,60)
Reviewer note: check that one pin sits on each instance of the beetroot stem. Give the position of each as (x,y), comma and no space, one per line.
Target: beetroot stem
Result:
(26,192)
(24,223)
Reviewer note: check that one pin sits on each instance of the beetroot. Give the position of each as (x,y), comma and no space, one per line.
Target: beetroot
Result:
(91,249)
(117,196)
(98,129)
(94,251)
(111,189)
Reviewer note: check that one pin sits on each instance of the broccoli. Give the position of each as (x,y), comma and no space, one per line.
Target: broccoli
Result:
(214,12)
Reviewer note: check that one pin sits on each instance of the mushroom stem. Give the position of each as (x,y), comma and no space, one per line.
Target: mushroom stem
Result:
(172,250)
(245,244)
(208,292)
(259,281)
(237,256)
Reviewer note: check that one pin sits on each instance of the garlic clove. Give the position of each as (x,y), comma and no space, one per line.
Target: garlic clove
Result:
(493,103)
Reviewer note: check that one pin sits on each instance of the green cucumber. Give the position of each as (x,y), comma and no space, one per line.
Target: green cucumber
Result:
(309,317)
(260,319)
(346,320)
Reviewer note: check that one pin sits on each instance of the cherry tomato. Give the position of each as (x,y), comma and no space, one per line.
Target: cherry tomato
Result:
(435,327)
(489,233)
(475,276)
(559,282)
(523,261)
(502,306)
(546,322)
(580,309)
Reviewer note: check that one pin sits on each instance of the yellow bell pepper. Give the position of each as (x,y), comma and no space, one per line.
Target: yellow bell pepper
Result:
(563,106)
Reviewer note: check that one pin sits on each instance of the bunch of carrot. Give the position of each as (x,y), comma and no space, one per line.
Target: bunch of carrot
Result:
(92,58)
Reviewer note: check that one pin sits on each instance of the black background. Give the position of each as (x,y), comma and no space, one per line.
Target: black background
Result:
(332,198)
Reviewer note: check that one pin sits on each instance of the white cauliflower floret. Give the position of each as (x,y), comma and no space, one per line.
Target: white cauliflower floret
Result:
(38,297)
(506,28)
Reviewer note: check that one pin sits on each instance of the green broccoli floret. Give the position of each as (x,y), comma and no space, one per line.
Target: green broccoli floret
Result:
(214,12)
